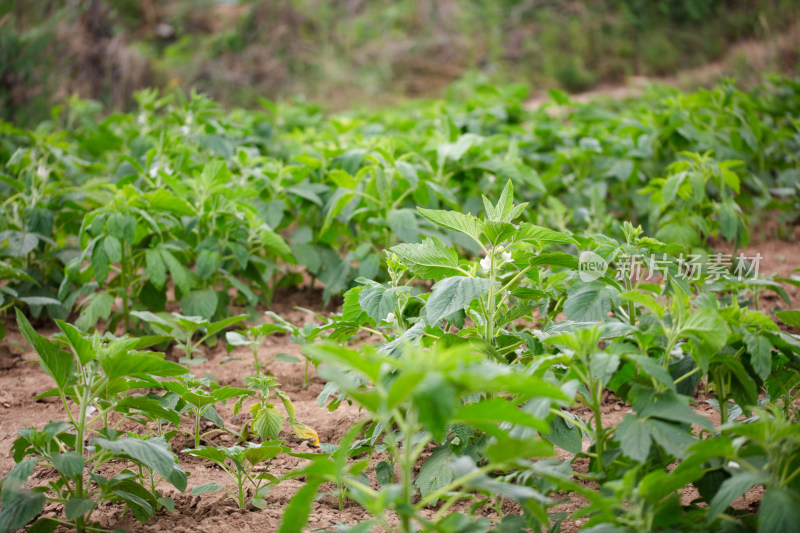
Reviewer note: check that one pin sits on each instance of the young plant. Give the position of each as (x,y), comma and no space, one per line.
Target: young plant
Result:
(184,329)
(252,336)
(494,291)
(425,393)
(90,378)
(239,464)
(267,420)
(198,397)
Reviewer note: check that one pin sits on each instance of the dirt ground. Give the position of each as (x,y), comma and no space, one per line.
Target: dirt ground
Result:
(21,380)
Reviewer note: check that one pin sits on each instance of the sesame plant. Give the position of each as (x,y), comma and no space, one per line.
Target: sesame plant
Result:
(90,374)
(239,464)
(427,394)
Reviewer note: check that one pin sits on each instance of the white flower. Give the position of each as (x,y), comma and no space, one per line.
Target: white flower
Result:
(41,172)
(142,119)
(492,179)
(154,171)
(506,257)
(391,317)
(185,130)
(167,171)
(486,262)
(733,464)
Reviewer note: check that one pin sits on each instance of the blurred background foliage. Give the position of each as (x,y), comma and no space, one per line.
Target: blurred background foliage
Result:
(355,52)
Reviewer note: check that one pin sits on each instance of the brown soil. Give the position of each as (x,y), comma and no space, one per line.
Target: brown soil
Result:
(780,258)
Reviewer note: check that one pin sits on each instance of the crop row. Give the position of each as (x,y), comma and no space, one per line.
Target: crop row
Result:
(218,204)
(496,329)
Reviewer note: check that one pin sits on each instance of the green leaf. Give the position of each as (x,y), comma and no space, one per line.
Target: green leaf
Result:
(508,449)
(10,272)
(760,350)
(652,369)
(207,264)
(435,473)
(216,455)
(43,525)
(308,256)
(268,423)
(100,262)
(645,300)
(264,452)
(589,302)
(69,464)
(495,410)
(202,303)
(672,437)
(156,268)
(295,516)
(559,259)
(167,502)
(708,327)
(335,206)
(728,218)
(603,365)
(58,364)
(139,365)
(113,248)
(670,188)
(342,179)
(564,435)
(19,507)
(531,233)
(467,224)
(77,507)
(429,259)
(274,243)
(403,224)
(20,243)
(121,226)
(791,318)
(219,325)
(779,511)
(633,434)
(183,278)
(377,300)
(206,488)
(351,308)
(150,453)
(100,307)
(82,346)
(497,232)
(435,402)
(38,300)
(149,406)
(453,294)
(732,488)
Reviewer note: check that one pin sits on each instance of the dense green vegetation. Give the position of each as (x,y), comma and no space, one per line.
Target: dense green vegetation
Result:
(340,52)
(510,266)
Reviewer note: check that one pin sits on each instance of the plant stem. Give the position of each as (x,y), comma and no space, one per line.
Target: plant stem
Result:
(197,429)
(123,279)
(491,307)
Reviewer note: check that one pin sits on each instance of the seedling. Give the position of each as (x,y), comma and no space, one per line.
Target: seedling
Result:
(239,463)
